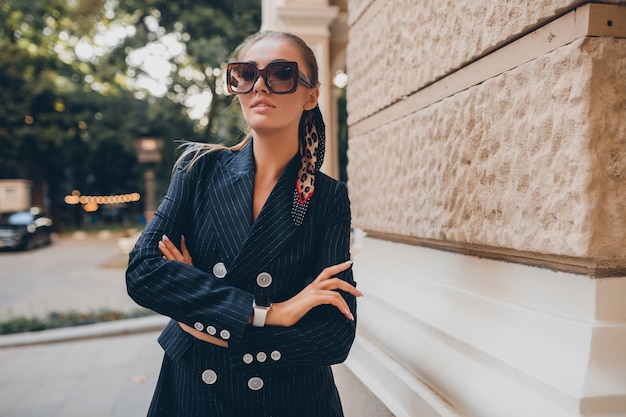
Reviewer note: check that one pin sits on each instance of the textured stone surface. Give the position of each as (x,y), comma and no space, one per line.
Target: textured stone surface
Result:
(357,8)
(411,43)
(531,160)
(607,190)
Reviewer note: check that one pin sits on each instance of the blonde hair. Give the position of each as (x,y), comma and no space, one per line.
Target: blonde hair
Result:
(196,150)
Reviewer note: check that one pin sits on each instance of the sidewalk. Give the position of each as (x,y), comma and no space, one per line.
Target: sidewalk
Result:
(108,370)
(99,370)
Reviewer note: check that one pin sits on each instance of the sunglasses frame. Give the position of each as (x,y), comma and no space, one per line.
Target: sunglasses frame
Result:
(261,73)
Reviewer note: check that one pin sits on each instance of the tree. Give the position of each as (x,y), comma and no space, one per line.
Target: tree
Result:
(72,106)
(210,30)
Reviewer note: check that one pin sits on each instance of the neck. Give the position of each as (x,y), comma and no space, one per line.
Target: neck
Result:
(272,154)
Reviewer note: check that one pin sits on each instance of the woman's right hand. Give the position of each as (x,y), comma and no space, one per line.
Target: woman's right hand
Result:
(171,252)
(321,291)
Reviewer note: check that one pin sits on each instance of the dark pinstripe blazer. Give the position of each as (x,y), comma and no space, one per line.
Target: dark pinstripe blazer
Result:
(211,205)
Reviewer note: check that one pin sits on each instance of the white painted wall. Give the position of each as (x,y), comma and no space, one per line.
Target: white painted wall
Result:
(443,334)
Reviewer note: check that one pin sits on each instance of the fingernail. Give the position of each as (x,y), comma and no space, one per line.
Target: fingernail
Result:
(349,262)
(351,317)
(165,238)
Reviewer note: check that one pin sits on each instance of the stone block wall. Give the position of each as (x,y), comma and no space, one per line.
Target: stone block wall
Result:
(487,164)
(399,46)
(530,161)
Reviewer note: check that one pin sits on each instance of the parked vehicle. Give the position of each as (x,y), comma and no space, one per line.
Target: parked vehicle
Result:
(25,229)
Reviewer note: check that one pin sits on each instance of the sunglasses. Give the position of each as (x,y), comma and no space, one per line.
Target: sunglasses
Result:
(281,77)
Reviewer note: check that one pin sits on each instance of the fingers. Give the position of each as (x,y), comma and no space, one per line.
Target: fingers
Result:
(183,247)
(165,246)
(326,284)
(327,280)
(339,284)
(171,252)
(328,295)
(185,251)
(333,270)
(335,299)
(325,289)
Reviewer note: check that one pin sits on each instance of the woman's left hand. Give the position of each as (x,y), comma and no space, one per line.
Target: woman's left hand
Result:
(171,252)
(321,291)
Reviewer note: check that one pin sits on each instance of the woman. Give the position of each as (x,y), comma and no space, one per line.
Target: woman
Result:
(268,303)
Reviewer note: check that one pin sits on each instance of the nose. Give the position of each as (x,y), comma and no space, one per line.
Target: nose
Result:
(259,84)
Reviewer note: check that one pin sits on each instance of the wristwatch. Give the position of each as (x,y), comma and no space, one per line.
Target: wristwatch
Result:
(261,305)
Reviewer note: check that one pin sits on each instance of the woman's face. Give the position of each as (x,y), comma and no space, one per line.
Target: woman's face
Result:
(266,112)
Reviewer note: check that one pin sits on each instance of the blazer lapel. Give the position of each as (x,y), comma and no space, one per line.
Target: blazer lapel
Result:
(231,202)
(272,230)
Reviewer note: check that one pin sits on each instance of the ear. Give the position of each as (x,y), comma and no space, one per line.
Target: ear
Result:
(312,98)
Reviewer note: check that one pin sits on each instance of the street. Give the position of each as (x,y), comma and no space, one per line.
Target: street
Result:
(80,272)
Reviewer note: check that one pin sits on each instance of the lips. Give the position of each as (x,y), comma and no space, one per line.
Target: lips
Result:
(259,103)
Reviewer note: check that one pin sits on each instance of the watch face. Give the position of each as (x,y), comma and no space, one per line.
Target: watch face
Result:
(262,300)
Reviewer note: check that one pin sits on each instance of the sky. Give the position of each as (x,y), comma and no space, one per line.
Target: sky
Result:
(150,67)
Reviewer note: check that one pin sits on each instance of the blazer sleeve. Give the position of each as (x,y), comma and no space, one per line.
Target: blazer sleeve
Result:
(324,336)
(174,289)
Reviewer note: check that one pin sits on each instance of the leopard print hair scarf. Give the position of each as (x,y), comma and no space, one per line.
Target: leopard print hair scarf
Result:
(312,138)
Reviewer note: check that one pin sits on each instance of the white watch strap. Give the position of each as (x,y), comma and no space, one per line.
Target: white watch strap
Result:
(260,314)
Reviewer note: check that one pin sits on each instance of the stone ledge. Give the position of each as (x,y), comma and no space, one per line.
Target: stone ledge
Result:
(592,267)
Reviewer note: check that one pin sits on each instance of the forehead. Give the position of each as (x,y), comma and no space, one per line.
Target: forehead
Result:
(270,49)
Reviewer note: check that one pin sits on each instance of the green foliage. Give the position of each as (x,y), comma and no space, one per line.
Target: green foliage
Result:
(210,30)
(57,320)
(69,120)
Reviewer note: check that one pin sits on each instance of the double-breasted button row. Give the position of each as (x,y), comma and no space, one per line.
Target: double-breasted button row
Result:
(263,280)
(209,377)
(224,334)
(261,357)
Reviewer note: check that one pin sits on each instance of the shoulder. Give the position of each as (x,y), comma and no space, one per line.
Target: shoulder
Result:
(330,204)
(328,185)
(330,194)
(198,159)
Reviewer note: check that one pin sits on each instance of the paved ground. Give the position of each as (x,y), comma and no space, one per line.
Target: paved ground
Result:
(101,370)
(102,377)
(84,273)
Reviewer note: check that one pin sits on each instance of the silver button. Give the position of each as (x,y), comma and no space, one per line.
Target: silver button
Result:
(255,383)
(209,377)
(219,270)
(248,358)
(211,330)
(261,357)
(275,355)
(225,334)
(198,326)
(264,280)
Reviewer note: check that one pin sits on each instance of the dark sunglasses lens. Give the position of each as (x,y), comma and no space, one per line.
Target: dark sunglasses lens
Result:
(241,77)
(281,77)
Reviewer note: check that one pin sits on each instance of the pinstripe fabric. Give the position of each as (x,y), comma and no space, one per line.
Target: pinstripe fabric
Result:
(211,205)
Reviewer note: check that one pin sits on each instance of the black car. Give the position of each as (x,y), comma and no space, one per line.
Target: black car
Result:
(25,229)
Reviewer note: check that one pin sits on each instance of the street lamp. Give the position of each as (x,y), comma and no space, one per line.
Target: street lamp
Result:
(149,153)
